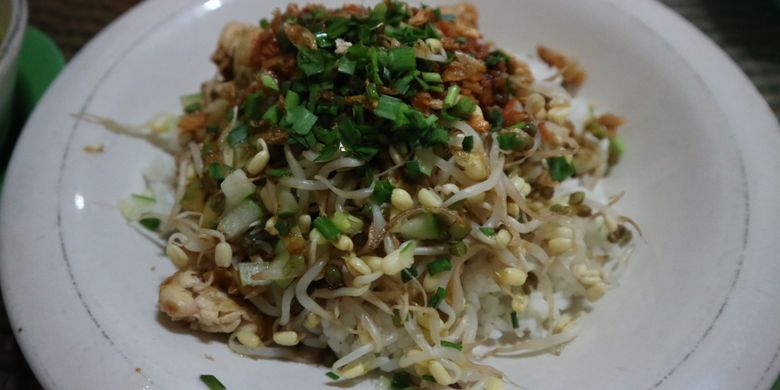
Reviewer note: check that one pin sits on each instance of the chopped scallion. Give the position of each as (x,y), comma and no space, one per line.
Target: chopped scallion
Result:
(463,108)
(401,59)
(449,344)
(515,321)
(560,169)
(383,190)
(237,135)
(345,65)
(495,117)
(468,143)
(437,298)
(332,375)
(300,119)
(431,77)
(212,382)
(216,171)
(326,227)
(150,223)
(452,96)
(278,172)
(439,265)
(401,380)
(291,100)
(269,82)
(389,108)
(271,115)
(488,231)
(510,142)
(194,107)
(408,274)
(414,167)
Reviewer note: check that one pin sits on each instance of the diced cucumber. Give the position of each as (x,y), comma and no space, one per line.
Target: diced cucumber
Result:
(237,221)
(236,187)
(189,100)
(134,207)
(423,226)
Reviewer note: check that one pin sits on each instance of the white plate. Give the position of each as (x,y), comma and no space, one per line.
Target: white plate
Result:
(697,310)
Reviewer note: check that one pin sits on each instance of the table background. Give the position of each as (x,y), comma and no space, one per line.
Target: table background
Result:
(749,31)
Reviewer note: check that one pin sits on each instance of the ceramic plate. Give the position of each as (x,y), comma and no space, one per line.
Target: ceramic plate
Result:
(696,310)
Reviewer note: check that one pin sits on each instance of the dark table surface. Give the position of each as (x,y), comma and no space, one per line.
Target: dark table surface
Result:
(749,31)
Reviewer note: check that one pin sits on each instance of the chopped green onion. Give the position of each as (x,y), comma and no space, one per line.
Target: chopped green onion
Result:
(510,142)
(212,382)
(332,375)
(338,26)
(449,344)
(389,108)
(453,92)
(435,88)
(300,119)
(463,108)
(371,91)
(559,168)
(495,117)
(408,274)
(383,190)
(326,153)
(237,135)
(616,148)
(326,227)
(414,167)
(251,103)
(428,378)
(468,143)
(346,65)
(269,82)
(192,108)
(278,172)
(488,231)
(515,321)
(401,380)
(401,59)
(271,115)
(150,223)
(282,227)
(216,171)
(431,77)
(264,23)
(439,265)
(437,135)
(347,223)
(291,99)
(313,62)
(437,298)
(495,57)
(190,100)
(206,150)
(397,321)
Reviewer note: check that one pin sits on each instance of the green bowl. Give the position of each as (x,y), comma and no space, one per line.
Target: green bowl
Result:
(13,21)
